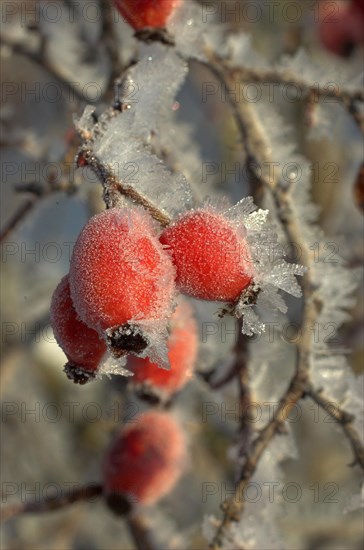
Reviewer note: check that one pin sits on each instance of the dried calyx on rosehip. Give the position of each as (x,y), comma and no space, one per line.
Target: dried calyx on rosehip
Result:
(122,282)
(144,462)
(156,385)
(231,256)
(82,345)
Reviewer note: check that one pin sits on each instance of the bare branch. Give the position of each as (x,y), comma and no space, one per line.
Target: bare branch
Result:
(49,504)
(113,188)
(343,418)
(140,532)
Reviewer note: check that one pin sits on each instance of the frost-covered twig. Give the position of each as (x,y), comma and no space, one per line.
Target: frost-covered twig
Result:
(17,218)
(114,188)
(343,418)
(331,92)
(258,154)
(234,506)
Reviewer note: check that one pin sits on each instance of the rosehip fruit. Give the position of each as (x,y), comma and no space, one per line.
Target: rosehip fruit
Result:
(210,254)
(155,384)
(120,275)
(144,462)
(81,344)
(141,14)
(341,31)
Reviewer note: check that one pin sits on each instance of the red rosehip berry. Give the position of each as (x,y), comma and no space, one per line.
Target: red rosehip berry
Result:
(81,344)
(121,275)
(141,14)
(144,462)
(342,30)
(210,254)
(155,384)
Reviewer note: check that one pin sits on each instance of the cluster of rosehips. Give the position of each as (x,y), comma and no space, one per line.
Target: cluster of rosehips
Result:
(121,290)
(124,276)
(122,285)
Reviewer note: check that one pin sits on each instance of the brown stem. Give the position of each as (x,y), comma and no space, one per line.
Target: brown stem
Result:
(113,189)
(50,504)
(140,532)
(257,152)
(343,418)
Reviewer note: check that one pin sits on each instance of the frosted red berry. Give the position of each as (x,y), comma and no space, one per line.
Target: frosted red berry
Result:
(210,255)
(144,462)
(120,273)
(141,14)
(341,30)
(81,344)
(154,383)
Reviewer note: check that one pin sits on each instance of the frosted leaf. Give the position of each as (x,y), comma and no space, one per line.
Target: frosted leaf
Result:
(122,141)
(152,85)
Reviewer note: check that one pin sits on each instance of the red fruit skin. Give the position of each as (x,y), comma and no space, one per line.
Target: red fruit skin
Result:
(81,344)
(119,270)
(182,353)
(141,14)
(342,30)
(210,255)
(145,460)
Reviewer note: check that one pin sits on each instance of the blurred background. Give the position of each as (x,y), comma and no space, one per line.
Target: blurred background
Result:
(54,433)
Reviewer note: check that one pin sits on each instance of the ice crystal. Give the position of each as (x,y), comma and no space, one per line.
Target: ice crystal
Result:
(271,271)
(121,142)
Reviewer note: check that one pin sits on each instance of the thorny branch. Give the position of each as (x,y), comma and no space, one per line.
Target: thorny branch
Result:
(300,385)
(331,92)
(258,155)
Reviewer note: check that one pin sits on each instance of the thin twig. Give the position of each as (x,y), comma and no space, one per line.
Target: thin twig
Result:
(49,504)
(258,154)
(113,188)
(140,532)
(234,506)
(343,418)
(17,218)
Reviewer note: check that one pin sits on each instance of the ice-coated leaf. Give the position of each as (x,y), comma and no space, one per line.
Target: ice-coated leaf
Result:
(151,87)
(121,141)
